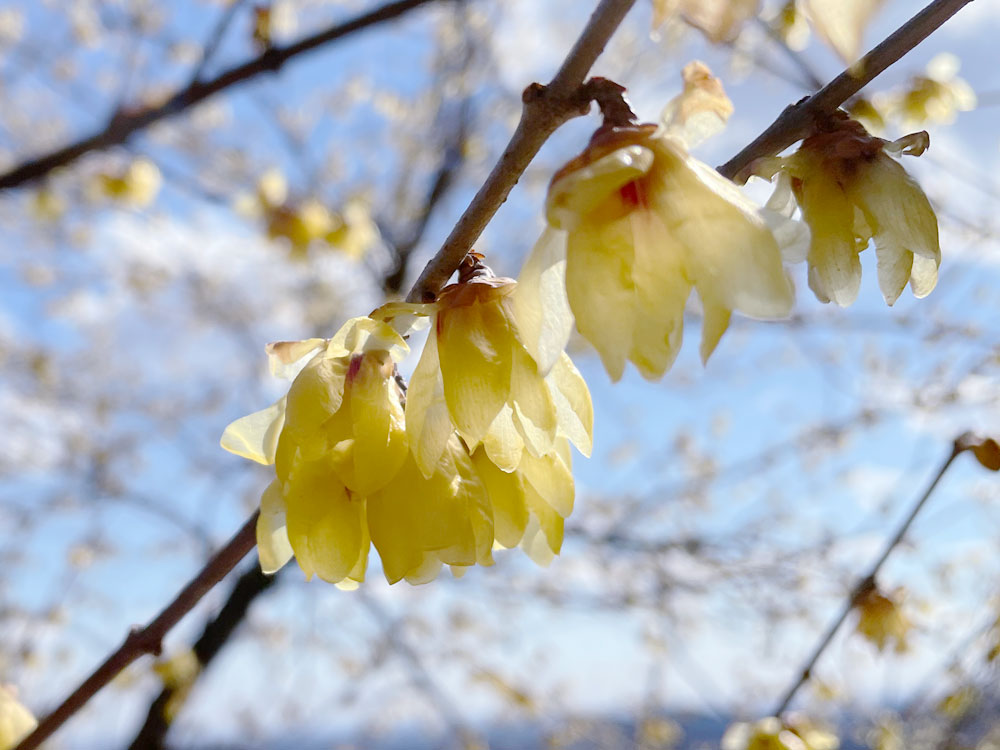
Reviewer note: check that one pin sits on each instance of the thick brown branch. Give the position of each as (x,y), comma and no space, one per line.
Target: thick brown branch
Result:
(126,123)
(796,121)
(545,109)
(148,640)
(868,581)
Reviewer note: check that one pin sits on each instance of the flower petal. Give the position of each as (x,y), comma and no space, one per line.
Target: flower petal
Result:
(540,307)
(475,350)
(715,323)
(834,268)
(552,479)
(315,394)
(428,424)
(273,547)
(600,289)
(503,443)
(574,408)
(923,276)
(506,492)
(324,522)
(286,357)
(377,423)
(255,436)
(534,411)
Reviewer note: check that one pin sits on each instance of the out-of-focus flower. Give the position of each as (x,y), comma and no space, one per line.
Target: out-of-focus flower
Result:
(851,191)
(16,721)
(868,114)
(881,619)
(302,222)
(842,23)
(937,96)
(791,25)
(47,205)
(635,224)
(477,377)
(793,733)
(719,20)
(137,185)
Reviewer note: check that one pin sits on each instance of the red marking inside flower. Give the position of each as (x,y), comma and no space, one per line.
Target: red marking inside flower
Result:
(633,194)
(354,368)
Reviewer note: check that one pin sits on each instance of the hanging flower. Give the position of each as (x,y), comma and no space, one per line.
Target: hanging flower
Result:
(881,619)
(344,474)
(635,224)
(476,377)
(851,191)
(937,95)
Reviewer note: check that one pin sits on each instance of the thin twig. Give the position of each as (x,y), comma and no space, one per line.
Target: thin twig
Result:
(545,109)
(126,123)
(797,120)
(215,38)
(149,640)
(867,582)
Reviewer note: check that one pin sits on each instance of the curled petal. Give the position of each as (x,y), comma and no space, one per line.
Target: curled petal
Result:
(255,436)
(578,190)
(287,358)
(359,335)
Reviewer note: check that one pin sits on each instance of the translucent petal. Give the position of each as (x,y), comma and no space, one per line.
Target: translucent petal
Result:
(426,572)
(377,419)
(842,24)
(923,276)
(503,443)
(315,394)
(535,545)
(729,246)
(534,411)
(428,424)
(715,323)
(600,289)
(255,436)
(662,289)
(574,408)
(539,303)
(364,335)
(896,208)
(273,546)
(835,271)
(894,267)
(392,520)
(475,350)
(577,190)
(506,492)
(325,523)
(552,480)
(792,236)
(550,522)
(286,357)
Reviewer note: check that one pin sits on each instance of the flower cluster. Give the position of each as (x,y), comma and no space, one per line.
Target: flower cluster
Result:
(474,453)
(881,619)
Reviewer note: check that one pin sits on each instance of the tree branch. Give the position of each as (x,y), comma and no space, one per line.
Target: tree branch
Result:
(545,109)
(149,640)
(797,120)
(126,123)
(867,582)
(217,632)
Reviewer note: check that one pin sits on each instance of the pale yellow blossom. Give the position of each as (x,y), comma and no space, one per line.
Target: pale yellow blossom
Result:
(852,191)
(16,721)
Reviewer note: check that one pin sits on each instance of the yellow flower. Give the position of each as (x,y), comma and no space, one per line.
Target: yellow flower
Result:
(936,96)
(636,223)
(16,721)
(881,619)
(137,185)
(851,191)
(344,474)
(476,377)
(792,733)
(719,20)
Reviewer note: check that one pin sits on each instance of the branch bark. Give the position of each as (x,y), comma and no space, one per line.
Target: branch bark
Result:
(797,120)
(545,109)
(125,123)
(149,640)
